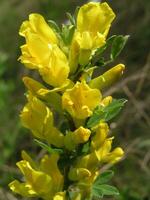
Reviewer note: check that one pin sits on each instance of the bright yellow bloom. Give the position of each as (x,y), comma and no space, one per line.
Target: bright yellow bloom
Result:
(44,180)
(76,174)
(79,136)
(38,25)
(108,78)
(60,196)
(37,182)
(49,166)
(41,51)
(100,136)
(114,156)
(106,101)
(81,100)
(101,155)
(37,117)
(93,23)
(94,20)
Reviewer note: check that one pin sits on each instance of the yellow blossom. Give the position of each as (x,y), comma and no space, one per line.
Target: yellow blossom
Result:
(93,23)
(49,166)
(108,78)
(81,100)
(106,101)
(94,19)
(114,156)
(100,136)
(44,180)
(76,174)
(37,117)
(60,196)
(80,135)
(37,183)
(102,154)
(41,51)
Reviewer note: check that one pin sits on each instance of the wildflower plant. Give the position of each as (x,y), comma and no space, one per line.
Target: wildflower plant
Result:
(66,112)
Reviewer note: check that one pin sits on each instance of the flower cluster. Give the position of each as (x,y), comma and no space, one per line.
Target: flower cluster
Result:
(58,110)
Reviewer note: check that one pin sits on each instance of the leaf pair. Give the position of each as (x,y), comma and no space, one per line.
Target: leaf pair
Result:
(106,113)
(100,188)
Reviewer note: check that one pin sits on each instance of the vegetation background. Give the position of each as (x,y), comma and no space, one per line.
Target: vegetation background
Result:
(132,175)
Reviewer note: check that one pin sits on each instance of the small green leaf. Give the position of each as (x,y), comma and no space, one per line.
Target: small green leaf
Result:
(48,148)
(96,192)
(118,45)
(54,26)
(106,113)
(104,177)
(67,33)
(99,188)
(71,18)
(86,148)
(108,190)
(97,58)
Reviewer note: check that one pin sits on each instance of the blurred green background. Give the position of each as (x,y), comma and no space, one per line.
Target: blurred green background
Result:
(132,175)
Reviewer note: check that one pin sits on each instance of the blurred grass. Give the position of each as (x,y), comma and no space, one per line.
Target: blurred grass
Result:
(131,127)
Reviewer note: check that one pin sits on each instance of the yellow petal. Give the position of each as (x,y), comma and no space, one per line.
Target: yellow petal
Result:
(114,156)
(60,196)
(99,138)
(40,91)
(49,166)
(40,182)
(41,51)
(106,101)
(79,136)
(37,117)
(108,78)
(26,157)
(56,71)
(76,174)
(94,17)
(38,25)
(23,189)
(81,100)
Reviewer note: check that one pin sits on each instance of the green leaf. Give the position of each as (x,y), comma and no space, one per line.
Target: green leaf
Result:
(71,18)
(48,148)
(118,45)
(67,33)
(104,177)
(107,190)
(97,56)
(99,188)
(86,148)
(96,192)
(106,113)
(54,26)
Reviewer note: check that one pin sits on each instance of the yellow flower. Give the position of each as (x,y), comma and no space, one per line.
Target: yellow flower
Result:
(37,182)
(42,180)
(49,166)
(106,101)
(114,156)
(37,117)
(80,135)
(38,25)
(81,100)
(102,154)
(41,51)
(60,196)
(108,78)
(100,136)
(93,23)
(94,19)
(76,174)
